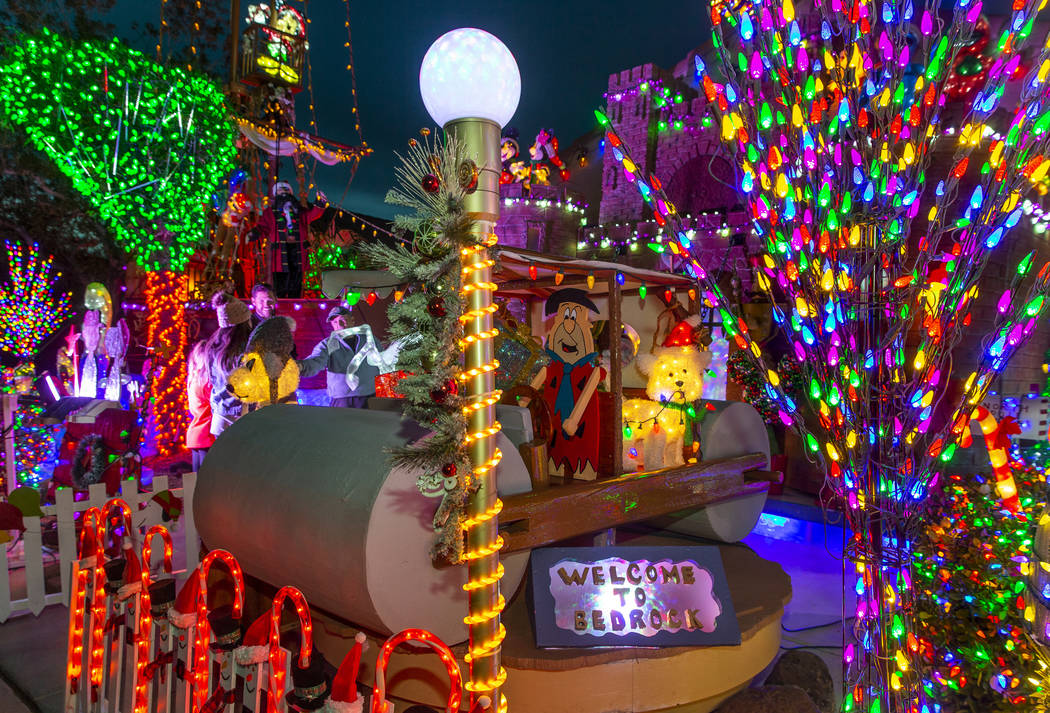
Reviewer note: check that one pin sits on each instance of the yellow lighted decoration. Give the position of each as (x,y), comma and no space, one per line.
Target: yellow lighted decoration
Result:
(278,69)
(304,144)
(658,424)
(252,381)
(483,542)
(97,297)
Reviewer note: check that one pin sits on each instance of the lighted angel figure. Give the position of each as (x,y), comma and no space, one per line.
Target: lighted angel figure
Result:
(116,343)
(91,335)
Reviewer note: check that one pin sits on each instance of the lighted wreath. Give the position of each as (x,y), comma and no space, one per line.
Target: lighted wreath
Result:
(91,448)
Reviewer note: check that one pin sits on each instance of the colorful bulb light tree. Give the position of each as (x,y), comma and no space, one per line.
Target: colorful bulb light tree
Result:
(877,259)
(30,310)
(145,144)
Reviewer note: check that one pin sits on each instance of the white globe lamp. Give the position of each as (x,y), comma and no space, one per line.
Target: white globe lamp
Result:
(469,74)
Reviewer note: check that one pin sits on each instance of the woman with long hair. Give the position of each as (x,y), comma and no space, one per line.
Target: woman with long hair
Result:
(198,393)
(223,354)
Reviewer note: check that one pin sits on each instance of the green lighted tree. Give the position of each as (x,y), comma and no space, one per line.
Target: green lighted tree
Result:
(145,144)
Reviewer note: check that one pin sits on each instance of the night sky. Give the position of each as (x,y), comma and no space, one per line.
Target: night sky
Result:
(565,50)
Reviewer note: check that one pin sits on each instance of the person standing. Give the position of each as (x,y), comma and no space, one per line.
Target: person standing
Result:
(351,379)
(198,393)
(264,306)
(264,303)
(223,354)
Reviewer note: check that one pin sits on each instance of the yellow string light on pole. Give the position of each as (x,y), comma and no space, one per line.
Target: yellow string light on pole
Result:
(473,110)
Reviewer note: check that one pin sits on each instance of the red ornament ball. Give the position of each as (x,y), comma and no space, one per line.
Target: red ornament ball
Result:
(440,395)
(436,307)
(449,470)
(431,183)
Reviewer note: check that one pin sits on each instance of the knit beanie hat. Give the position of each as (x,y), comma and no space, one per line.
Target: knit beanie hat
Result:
(230,310)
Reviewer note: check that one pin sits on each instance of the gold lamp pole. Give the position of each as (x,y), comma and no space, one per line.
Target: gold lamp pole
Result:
(471,86)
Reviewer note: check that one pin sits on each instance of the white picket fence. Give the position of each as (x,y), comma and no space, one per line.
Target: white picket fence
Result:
(33,553)
(120,661)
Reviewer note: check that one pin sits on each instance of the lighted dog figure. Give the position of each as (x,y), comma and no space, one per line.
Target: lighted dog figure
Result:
(658,425)
(267,374)
(541,175)
(520,172)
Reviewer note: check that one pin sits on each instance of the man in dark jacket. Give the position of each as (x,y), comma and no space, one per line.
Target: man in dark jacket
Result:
(351,377)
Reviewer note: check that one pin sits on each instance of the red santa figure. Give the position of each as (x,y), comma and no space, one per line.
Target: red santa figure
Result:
(284,228)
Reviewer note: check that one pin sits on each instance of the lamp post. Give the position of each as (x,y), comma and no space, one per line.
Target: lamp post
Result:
(471,86)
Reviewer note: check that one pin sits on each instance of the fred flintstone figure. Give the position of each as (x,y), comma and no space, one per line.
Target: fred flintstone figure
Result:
(568,384)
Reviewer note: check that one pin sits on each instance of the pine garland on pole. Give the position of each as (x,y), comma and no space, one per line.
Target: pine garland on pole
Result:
(427,318)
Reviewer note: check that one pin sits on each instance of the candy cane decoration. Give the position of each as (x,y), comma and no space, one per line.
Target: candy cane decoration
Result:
(277,658)
(997,440)
(455,693)
(201,671)
(98,604)
(91,535)
(144,638)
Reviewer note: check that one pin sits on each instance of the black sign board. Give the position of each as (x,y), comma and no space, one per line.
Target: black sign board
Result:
(632,596)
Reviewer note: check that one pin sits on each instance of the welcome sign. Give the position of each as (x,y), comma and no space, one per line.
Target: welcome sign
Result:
(632,596)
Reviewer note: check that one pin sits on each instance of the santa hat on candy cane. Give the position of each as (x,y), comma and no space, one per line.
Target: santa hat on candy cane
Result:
(344,698)
(89,545)
(183,613)
(132,572)
(255,646)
